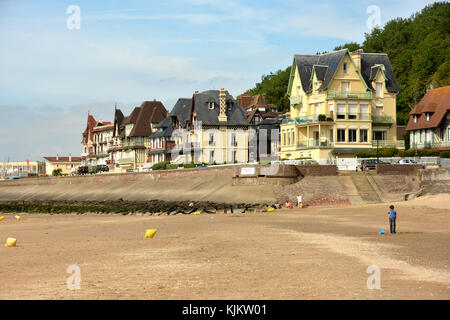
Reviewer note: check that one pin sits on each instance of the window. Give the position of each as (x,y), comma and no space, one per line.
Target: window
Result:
(289,138)
(211,139)
(345,86)
(210,105)
(420,136)
(341,135)
(316,85)
(345,68)
(428,116)
(233,140)
(341,111)
(352,111)
(415,118)
(379,135)
(284,137)
(364,109)
(363,135)
(233,156)
(211,156)
(379,109)
(331,135)
(293,136)
(379,89)
(352,135)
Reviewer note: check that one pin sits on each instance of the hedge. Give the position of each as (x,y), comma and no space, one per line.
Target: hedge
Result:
(445,154)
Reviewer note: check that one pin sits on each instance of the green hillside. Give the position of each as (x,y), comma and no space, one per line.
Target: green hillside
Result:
(419,50)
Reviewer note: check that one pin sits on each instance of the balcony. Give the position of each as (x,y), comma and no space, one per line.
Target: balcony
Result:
(133,144)
(382,119)
(314,143)
(388,143)
(309,119)
(349,95)
(296,100)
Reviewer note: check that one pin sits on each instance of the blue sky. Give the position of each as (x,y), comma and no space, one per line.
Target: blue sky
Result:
(131,51)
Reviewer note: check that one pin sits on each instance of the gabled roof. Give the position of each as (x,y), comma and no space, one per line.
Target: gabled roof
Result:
(87,133)
(118,120)
(149,112)
(436,102)
(181,110)
(305,64)
(325,66)
(369,60)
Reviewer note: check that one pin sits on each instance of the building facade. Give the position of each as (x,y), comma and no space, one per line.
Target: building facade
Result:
(429,122)
(22,168)
(68,165)
(340,103)
(210,128)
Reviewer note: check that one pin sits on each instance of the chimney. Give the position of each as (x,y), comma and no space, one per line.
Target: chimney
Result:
(223,106)
(70,157)
(57,157)
(195,92)
(356,56)
(154,99)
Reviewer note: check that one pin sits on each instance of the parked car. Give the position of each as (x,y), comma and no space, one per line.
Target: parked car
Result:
(367,165)
(409,161)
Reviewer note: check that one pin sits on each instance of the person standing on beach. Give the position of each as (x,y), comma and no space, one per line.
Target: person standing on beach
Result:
(392,216)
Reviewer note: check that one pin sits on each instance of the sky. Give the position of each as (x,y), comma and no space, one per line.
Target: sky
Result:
(57,64)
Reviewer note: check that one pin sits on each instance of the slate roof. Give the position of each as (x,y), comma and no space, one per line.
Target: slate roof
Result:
(182,110)
(118,120)
(236,116)
(437,103)
(368,60)
(325,65)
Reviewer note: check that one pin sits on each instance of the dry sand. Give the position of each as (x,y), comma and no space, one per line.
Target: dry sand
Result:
(313,253)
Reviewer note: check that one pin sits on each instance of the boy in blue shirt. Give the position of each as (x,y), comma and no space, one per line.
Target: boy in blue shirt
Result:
(392,216)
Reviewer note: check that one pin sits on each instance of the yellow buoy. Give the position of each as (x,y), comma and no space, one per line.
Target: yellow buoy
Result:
(1,218)
(10,242)
(18,218)
(150,233)
(270,209)
(196,212)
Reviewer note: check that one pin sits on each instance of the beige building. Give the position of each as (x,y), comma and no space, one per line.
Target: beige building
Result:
(68,165)
(341,103)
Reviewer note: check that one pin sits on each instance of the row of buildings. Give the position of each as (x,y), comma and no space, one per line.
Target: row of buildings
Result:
(341,103)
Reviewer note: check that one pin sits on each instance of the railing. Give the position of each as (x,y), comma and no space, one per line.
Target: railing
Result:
(428,145)
(309,119)
(388,143)
(296,100)
(132,143)
(382,119)
(314,143)
(126,160)
(349,95)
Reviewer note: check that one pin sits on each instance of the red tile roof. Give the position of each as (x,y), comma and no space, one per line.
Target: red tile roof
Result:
(62,159)
(87,133)
(150,112)
(437,103)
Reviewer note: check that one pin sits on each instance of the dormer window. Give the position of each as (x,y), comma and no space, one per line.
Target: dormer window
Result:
(345,68)
(415,118)
(210,105)
(427,115)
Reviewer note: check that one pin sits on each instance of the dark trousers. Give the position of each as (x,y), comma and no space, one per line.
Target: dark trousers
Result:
(392,224)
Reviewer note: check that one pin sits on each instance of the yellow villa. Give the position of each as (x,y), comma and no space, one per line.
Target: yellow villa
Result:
(341,102)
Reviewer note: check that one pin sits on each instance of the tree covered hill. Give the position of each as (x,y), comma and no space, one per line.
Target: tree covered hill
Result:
(418,48)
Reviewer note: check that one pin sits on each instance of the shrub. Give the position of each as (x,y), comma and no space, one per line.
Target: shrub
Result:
(57,172)
(171,166)
(160,165)
(445,154)
(322,117)
(420,153)
(190,165)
